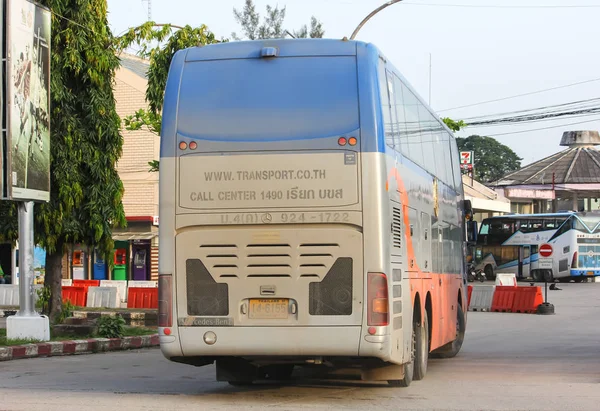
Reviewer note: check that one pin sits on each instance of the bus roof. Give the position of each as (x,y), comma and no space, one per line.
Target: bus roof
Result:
(284,48)
(539,215)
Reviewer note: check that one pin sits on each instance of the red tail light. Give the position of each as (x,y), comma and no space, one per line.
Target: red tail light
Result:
(165,300)
(377,300)
(574,262)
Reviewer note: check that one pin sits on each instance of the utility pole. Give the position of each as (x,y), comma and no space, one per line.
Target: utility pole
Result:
(429,79)
(149,9)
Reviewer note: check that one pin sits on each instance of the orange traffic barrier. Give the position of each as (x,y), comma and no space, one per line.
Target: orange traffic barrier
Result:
(76,295)
(140,297)
(527,300)
(469,292)
(86,284)
(503,298)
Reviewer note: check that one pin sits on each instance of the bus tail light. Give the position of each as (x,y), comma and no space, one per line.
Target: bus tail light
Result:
(165,300)
(342,141)
(574,262)
(377,300)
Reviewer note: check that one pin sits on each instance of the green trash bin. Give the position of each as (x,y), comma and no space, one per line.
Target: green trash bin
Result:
(120,272)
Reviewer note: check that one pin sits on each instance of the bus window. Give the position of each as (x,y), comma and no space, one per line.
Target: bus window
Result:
(411,110)
(536,225)
(400,123)
(550,224)
(500,231)
(485,228)
(385,92)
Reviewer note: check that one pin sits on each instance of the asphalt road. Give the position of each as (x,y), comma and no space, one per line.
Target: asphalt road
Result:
(508,362)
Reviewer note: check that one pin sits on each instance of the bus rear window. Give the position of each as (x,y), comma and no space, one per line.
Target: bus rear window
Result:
(283,98)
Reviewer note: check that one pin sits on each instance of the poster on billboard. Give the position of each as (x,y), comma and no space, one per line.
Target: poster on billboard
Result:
(27,141)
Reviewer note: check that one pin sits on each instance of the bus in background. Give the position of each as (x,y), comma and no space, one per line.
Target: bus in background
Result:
(510,243)
(311,212)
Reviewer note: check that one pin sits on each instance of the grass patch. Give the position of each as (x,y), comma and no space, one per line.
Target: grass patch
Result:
(128,332)
(138,331)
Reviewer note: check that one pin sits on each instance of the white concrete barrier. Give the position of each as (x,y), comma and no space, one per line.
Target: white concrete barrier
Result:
(9,295)
(120,284)
(67,282)
(103,297)
(481,297)
(142,284)
(506,279)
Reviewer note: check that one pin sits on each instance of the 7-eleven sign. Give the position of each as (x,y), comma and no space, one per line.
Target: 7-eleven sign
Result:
(466,157)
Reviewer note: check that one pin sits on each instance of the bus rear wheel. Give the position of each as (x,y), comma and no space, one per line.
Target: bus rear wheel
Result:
(538,276)
(421,341)
(489,272)
(452,349)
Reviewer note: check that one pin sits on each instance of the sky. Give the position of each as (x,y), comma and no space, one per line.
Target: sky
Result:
(480,50)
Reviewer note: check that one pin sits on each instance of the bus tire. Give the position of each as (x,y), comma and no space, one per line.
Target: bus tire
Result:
(489,272)
(538,276)
(452,349)
(421,341)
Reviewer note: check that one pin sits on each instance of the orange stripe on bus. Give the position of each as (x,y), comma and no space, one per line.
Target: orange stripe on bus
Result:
(442,331)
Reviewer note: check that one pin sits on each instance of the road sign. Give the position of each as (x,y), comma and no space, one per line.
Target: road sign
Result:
(545,250)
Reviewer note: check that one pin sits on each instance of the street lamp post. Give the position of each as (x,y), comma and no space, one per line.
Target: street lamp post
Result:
(374,12)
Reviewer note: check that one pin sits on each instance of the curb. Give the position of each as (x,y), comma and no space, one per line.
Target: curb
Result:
(71,347)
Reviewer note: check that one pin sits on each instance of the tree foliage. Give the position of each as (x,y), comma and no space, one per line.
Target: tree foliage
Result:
(158,43)
(273,24)
(453,124)
(86,191)
(493,160)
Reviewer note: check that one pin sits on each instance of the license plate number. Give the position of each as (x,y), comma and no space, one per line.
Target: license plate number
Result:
(268,308)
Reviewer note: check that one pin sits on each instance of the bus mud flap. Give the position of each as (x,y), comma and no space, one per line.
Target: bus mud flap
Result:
(383,373)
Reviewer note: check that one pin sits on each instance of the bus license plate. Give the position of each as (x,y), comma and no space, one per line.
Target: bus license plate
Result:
(590,273)
(268,308)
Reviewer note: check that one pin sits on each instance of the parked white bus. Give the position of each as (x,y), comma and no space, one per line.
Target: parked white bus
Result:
(311,212)
(510,244)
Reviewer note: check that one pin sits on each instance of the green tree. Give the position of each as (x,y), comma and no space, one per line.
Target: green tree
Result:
(454,125)
(492,159)
(272,26)
(158,43)
(86,191)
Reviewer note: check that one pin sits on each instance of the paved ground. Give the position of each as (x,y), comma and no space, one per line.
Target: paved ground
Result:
(508,362)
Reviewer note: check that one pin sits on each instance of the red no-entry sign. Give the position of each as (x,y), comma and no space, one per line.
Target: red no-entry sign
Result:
(545,250)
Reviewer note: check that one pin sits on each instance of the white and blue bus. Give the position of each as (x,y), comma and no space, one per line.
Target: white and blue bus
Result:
(510,243)
(311,211)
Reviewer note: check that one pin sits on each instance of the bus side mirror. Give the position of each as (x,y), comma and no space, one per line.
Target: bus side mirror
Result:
(472,231)
(468,210)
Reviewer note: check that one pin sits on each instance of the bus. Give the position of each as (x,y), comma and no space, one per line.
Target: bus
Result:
(312,214)
(510,244)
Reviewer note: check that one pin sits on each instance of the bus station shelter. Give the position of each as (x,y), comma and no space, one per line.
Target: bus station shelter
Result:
(567,180)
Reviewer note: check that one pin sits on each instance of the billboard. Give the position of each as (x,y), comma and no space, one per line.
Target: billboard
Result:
(26,102)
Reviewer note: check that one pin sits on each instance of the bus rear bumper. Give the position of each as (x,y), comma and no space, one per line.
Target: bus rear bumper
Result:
(591,272)
(266,341)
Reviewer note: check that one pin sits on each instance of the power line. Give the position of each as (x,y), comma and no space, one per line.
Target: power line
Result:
(541,128)
(522,95)
(493,6)
(557,108)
